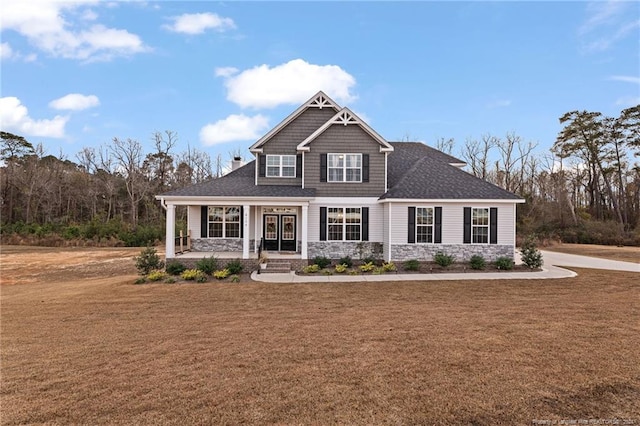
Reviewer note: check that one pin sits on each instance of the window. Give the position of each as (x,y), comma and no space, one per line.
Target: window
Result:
(344,223)
(480,225)
(224,222)
(344,167)
(424,225)
(281,166)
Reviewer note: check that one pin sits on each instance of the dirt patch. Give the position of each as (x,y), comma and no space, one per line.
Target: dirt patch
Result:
(626,253)
(105,351)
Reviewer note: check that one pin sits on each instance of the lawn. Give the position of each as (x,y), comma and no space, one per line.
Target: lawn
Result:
(103,350)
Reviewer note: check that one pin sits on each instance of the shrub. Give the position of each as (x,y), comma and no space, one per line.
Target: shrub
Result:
(327,272)
(367,267)
(411,265)
(321,261)
(377,270)
(477,262)
(194,275)
(170,280)
(371,259)
(156,275)
(148,261)
(235,279)
(221,274)
(346,261)
(353,272)
(140,280)
(444,259)
(389,267)
(207,265)
(504,263)
(234,267)
(530,254)
(311,269)
(175,268)
(341,268)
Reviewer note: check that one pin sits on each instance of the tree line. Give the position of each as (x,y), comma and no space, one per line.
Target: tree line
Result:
(586,188)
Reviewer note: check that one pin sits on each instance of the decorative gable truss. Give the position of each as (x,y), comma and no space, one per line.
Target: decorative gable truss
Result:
(346,117)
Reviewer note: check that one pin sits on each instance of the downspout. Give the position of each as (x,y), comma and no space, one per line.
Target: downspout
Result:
(163,204)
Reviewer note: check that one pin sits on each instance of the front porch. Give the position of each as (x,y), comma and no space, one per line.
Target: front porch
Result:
(271,255)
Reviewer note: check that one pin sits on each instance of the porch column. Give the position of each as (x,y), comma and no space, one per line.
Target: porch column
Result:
(305,231)
(245,231)
(171,232)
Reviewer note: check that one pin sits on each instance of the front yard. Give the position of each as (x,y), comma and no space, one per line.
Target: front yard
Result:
(103,350)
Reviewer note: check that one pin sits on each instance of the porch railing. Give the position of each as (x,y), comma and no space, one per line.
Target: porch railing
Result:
(183,242)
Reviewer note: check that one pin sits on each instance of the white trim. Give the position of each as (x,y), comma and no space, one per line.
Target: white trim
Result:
(386,184)
(433,225)
(356,201)
(451,200)
(246,210)
(345,116)
(319,100)
(170,239)
(344,167)
(280,166)
(266,201)
(487,226)
(304,237)
(302,172)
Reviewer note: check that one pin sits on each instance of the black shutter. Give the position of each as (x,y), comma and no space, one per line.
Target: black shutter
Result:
(365,167)
(467,225)
(241,221)
(323,224)
(262,165)
(437,233)
(204,219)
(493,225)
(323,167)
(411,228)
(299,165)
(365,224)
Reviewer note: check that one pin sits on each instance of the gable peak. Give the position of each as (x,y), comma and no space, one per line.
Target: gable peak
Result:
(321,100)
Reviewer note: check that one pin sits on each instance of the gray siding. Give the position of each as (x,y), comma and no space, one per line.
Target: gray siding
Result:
(286,140)
(339,138)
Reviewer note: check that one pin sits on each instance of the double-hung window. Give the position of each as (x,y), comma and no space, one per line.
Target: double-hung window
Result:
(344,167)
(281,166)
(224,222)
(344,224)
(424,224)
(480,225)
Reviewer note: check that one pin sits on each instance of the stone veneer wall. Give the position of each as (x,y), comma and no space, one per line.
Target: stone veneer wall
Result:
(218,244)
(337,249)
(462,252)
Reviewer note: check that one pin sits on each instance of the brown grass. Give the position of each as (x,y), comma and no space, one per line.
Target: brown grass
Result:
(626,253)
(492,352)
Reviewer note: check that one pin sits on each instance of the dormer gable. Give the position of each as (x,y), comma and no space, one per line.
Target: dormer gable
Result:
(346,117)
(320,100)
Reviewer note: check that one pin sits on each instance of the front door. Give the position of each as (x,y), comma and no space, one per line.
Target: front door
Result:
(279,232)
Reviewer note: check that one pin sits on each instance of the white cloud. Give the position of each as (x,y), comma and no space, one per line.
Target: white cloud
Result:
(55,28)
(75,102)
(198,23)
(6,52)
(625,78)
(226,71)
(236,127)
(607,23)
(628,101)
(15,117)
(290,83)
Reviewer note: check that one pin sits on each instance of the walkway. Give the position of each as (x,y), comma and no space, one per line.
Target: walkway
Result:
(550,270)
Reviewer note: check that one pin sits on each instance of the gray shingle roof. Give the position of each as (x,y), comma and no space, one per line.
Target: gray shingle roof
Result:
(240,183)
(417,171)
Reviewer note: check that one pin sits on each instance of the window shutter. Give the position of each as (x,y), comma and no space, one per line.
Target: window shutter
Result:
(323,224)
(365,167)
(299,165)
(493,225)
(262,165)
(323,167)
(365,224)
(241,222)
(467,226)
(204,219)
(411,228)
(437,232)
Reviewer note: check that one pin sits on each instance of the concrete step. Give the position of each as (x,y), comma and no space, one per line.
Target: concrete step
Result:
(276,267)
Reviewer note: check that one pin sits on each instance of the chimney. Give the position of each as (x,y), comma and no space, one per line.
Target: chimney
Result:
(236,163)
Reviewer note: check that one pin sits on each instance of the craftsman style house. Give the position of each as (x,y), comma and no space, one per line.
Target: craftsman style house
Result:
(324,183)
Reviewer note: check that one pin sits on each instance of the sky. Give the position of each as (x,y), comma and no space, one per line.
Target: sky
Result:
(76,74)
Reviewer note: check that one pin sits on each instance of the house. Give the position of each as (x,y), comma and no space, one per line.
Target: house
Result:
(324,183)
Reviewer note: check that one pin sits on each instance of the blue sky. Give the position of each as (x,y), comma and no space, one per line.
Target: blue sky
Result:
(221,74)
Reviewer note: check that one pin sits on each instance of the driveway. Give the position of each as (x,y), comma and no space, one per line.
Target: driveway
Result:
(565,259)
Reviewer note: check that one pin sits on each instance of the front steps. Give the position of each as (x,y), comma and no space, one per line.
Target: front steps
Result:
(276,267)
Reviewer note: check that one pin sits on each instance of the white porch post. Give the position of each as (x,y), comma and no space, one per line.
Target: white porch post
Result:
(256,227)
(170,250)
(245,231)
(305,231)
